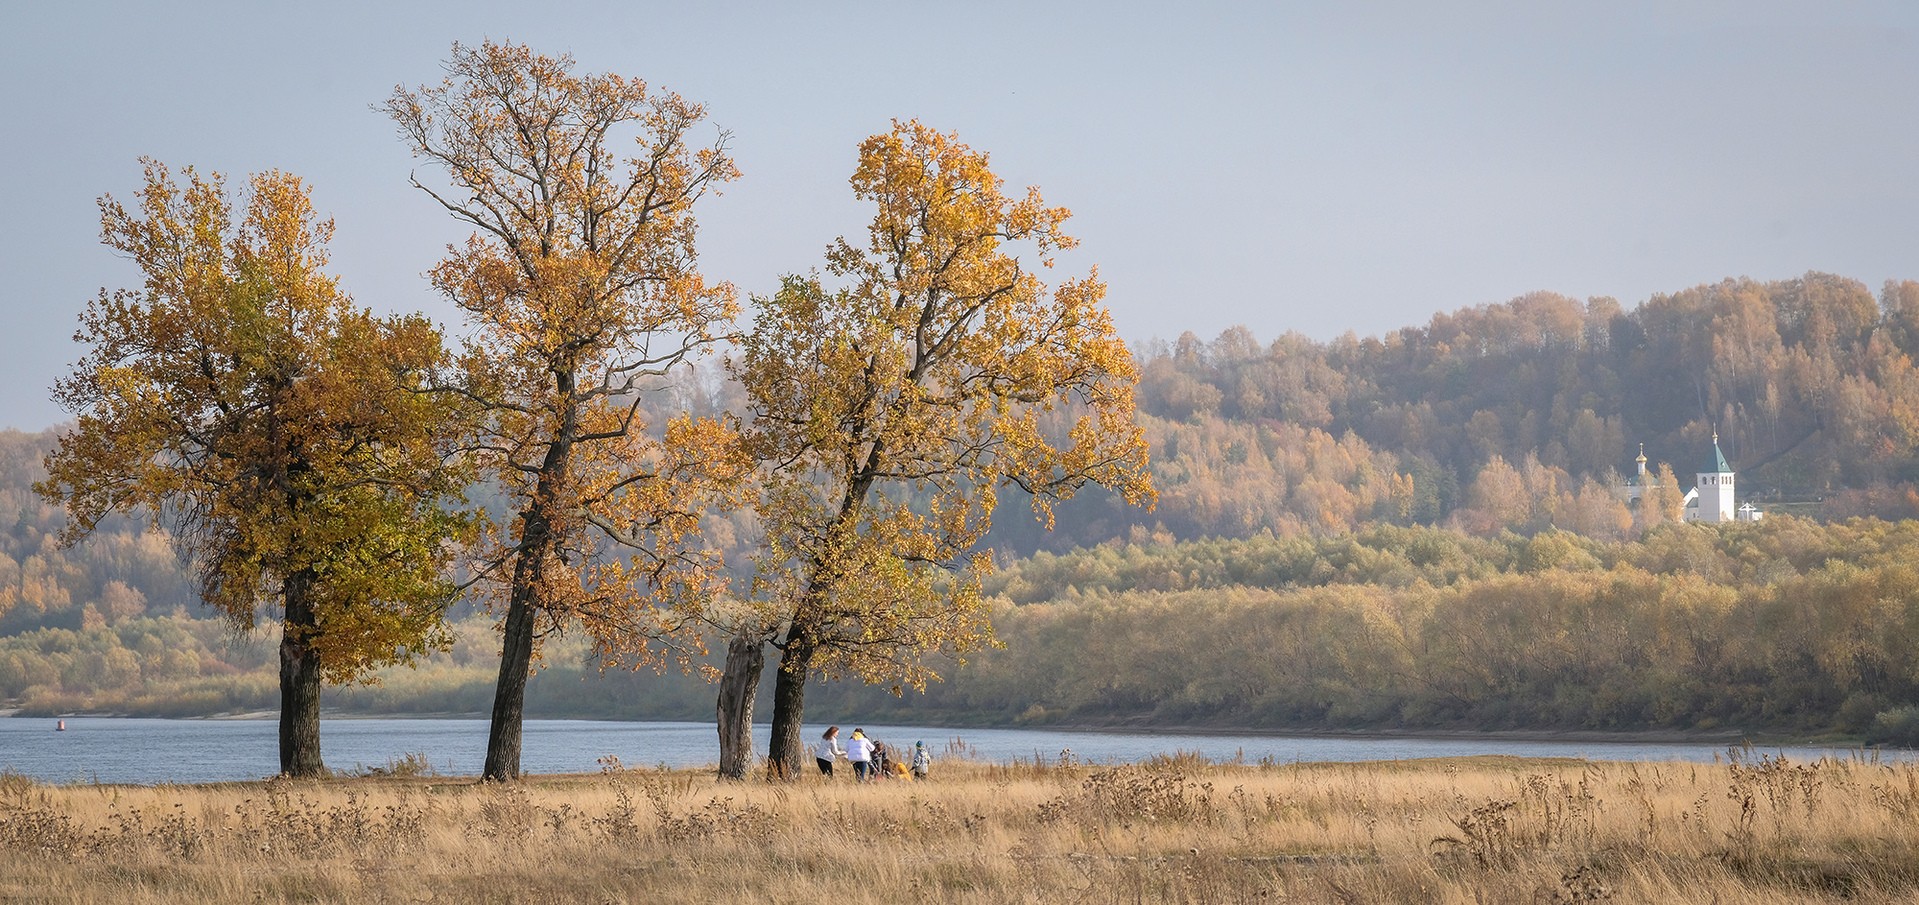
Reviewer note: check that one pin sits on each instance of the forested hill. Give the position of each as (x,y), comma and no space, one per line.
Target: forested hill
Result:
(1519,415)
(1526,414)
(1284,471)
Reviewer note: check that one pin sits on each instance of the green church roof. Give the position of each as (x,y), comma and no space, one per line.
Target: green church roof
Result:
(1717,465)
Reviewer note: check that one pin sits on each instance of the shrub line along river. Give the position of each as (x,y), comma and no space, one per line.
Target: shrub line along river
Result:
(150,751)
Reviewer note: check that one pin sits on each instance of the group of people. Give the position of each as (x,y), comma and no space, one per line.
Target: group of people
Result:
(870,759)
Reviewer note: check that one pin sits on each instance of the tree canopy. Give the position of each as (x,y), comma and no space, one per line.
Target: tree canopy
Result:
(277,430)
(891,410)
(581,284)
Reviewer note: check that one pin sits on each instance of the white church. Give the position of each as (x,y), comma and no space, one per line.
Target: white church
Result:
(1711,497)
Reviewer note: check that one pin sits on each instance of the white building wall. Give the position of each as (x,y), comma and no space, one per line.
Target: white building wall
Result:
(1715,496)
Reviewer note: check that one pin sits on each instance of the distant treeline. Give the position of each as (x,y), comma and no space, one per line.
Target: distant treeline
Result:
(1784,627)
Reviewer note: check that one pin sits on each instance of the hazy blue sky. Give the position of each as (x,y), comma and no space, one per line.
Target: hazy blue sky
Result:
(1287,166)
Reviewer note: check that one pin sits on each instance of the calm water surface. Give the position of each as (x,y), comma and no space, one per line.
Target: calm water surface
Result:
(116,750)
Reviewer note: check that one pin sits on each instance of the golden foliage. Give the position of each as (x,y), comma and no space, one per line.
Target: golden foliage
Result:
(891,411)
(581,284)
(1662,502)
(240,396)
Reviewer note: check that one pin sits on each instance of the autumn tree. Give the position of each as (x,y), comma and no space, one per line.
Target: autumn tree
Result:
(242,399)
(1597,511)
(1496,500)
(581,285)
(891,411)
(1661,502)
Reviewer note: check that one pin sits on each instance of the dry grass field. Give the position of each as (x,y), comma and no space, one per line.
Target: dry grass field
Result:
(1483,830)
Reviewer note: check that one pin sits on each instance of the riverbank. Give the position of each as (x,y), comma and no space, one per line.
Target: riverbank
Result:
(153,751)
(1484,829)
(1723,737)
(1643,736)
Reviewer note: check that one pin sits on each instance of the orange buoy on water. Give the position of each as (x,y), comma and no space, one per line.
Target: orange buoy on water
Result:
(60,726)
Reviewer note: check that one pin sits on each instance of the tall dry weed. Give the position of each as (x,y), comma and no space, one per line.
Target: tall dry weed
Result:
(1175,830)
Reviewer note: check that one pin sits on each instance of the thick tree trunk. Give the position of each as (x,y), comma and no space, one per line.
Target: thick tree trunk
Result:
(516,635)
(739,684)
(509,695)
(299,683)
(787,752)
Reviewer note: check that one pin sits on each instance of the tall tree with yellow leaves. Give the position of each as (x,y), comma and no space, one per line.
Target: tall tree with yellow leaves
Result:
(581,285)
(243,399)
(1662,502)
(891,412)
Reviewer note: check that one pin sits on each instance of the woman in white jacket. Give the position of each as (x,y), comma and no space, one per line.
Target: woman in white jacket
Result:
(828,750)
(859,750)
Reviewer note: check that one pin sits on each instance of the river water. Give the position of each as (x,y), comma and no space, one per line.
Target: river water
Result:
(148,751)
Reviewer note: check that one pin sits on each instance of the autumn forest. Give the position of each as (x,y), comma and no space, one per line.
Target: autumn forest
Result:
(1391,532)
(921,482)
